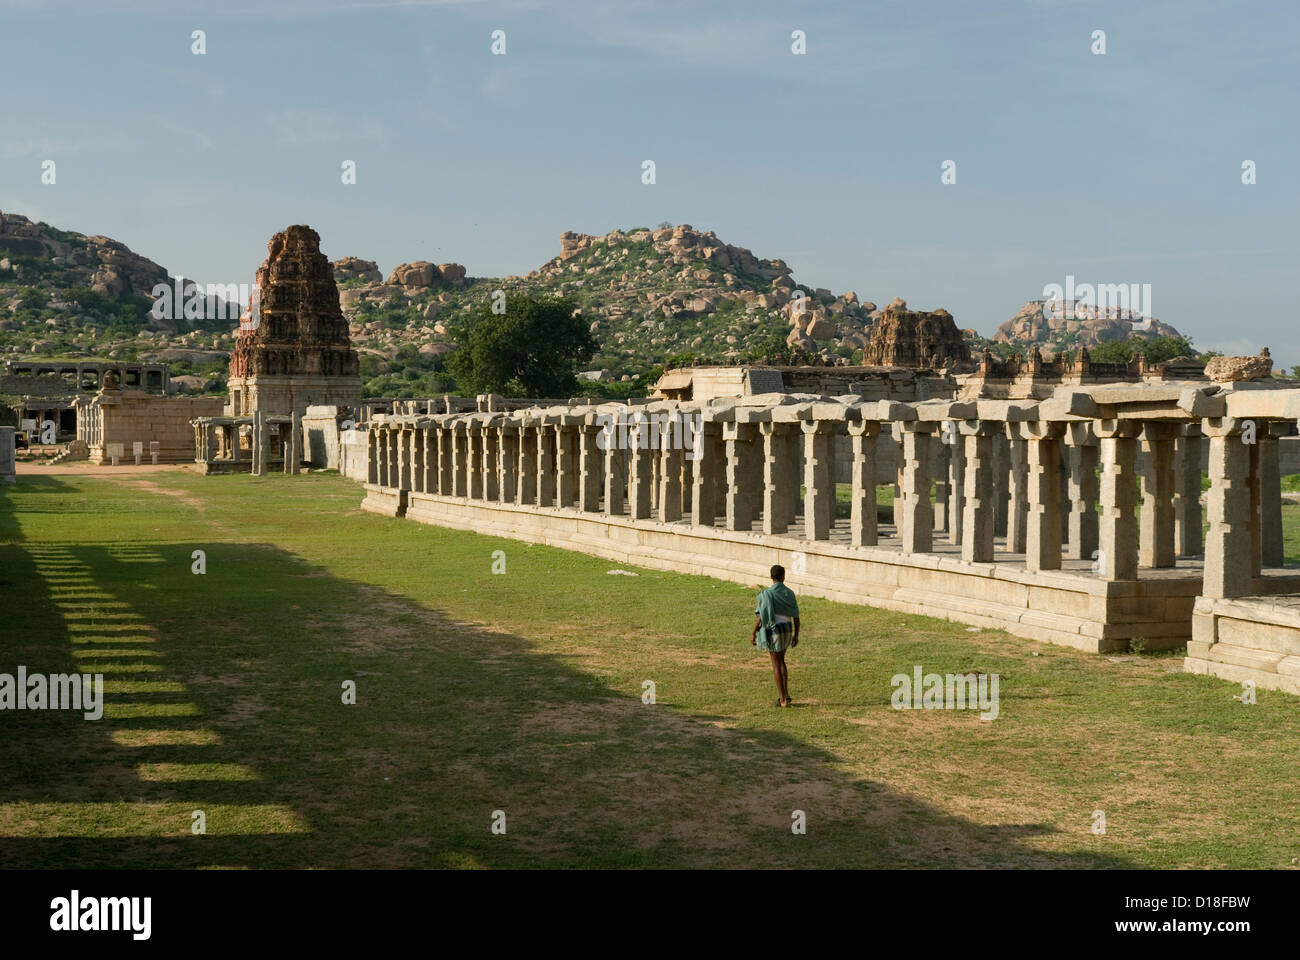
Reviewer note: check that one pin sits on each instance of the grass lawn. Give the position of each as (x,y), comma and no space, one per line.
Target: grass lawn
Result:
(522,692)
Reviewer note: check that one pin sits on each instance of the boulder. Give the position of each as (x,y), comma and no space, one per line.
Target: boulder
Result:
(1229,369)
(451,272)
(419,275)
(354,268)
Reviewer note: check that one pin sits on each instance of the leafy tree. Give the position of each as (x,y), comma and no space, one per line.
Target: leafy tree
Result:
(534,349)
(1157,349)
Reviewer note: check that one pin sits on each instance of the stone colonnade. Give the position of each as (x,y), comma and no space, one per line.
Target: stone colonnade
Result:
(1033,482)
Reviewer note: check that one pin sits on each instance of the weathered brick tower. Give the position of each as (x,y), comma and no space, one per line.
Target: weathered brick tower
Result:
(914,338)
(293,347)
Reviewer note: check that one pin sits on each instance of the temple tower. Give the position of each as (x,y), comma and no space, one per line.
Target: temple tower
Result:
(293,347)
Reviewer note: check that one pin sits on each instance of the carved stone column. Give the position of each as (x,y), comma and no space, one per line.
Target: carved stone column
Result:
(979,512)
(1018,492)
(780,481)
(710,465)
(1118,528)
(741,445)
(862,502)
(566,464)
(1084,523)
(640,467)
(526,488)
(1270,496)
(956,493)
(617,439)
(670,471)
(460,471)
(819,478)
(1187,491)
(1042,463)
(1230,540)
(919,442)
(546,464)
(591,466)
(1156,536)
(508,461)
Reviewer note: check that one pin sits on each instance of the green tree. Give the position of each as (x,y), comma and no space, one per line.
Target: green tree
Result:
(533,349)
(1157,349)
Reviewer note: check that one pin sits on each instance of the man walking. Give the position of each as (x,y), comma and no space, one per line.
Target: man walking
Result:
(776,629)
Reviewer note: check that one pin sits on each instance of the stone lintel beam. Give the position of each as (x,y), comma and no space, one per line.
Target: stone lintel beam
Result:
(940,410)
(1203,402)
(754,414)
(1068,406)
(1035,430)
(1224,426)
(978,428)
(1081,433)
(1113,429)
(1005,410)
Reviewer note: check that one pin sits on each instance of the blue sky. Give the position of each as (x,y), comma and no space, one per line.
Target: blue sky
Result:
(1122,168)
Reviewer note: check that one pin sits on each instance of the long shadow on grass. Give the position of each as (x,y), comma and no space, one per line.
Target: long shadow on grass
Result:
(452,723)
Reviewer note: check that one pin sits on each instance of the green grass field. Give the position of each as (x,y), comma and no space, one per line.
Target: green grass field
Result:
(522,692)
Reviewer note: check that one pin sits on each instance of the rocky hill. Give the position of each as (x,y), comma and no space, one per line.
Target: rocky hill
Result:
(1068,326)
(650,294)
(669,294)
(67,294)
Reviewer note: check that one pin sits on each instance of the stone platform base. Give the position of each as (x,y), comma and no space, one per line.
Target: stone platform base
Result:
(1248,638)
(1076,609)
(224,466)
(391,503)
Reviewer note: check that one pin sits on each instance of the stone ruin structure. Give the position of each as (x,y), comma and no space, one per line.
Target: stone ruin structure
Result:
(1011,539)
(293,350)
(914,338)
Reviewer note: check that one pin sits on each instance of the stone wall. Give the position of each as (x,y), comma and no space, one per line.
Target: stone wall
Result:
(130,416)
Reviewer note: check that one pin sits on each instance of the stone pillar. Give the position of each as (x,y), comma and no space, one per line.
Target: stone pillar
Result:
(491,462)
(956,494)
(1018,494)
(819,478)
(639,475)
(508,461)
(942,495)
(394,470)
(429,462)
(710,466)
(917,514)
(1117,540)
(741,480)
(670,471)
(1156,536)
(780,476)
(234,442)
(618,437)
(293,464)
(1228,543)
(1270,497)
(526,490)
(546,465)
(1001,487)
(1084,522)
(460,471)
(566,477)
(862,501)
(261,443)
(446,459)
(474,464)
(978,515)
(1043,460)
(403,439)
(591,467)
(1187,491)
